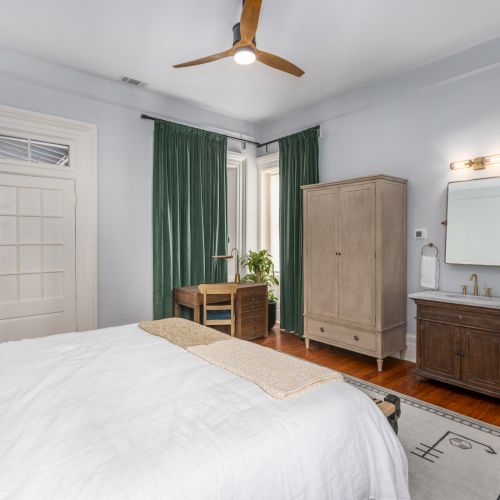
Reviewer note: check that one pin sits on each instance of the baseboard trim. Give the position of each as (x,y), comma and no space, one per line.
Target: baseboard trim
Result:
(411,349)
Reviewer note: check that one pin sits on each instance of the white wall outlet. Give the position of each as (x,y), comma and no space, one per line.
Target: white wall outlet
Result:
(420,234)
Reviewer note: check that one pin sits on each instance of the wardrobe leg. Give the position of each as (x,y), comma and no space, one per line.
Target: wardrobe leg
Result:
(307,343)
(380,364)
(402,353)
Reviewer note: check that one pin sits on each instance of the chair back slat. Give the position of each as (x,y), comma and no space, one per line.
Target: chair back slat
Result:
(220,289)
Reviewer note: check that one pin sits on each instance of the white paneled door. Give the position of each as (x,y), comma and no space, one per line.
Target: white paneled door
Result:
(37,256)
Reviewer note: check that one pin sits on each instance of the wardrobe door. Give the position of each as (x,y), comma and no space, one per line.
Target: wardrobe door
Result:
(320,252)
(357,254)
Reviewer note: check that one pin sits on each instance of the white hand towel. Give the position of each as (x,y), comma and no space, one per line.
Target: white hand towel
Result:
(429,272)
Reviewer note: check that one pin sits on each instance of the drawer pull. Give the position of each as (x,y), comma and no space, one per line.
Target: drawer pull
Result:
(460,317)
(322,329)
(356,338)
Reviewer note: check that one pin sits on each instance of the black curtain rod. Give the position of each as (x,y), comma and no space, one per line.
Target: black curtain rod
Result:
(316,127)
(147,117)
(257,144)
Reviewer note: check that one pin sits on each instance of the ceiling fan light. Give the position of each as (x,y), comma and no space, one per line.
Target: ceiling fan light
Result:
(244,55)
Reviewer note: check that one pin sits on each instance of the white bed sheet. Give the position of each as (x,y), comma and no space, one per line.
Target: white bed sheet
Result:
(117,414)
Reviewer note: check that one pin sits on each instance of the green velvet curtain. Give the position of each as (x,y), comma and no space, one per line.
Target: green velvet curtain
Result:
(189,210)
(299,155)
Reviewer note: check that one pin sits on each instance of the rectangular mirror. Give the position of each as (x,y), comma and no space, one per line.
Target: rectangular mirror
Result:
(473,228)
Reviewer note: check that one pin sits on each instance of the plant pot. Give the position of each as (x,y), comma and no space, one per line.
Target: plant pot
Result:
(271,314)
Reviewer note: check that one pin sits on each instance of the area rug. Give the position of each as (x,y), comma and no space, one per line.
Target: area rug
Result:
(450,456)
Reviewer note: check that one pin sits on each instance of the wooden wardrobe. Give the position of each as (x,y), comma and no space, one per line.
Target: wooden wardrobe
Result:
(355,265)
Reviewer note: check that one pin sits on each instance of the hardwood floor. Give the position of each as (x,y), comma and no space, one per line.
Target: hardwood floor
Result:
(397,375)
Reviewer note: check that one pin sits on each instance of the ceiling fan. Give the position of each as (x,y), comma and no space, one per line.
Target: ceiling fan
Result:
(244,49)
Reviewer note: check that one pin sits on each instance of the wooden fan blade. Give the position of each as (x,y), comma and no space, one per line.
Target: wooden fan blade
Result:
(203,60)
(249,20)
(278,63)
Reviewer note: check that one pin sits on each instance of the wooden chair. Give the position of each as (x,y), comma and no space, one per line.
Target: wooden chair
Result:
(223,291)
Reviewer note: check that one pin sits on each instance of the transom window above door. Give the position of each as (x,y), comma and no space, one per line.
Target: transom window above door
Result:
(33,151)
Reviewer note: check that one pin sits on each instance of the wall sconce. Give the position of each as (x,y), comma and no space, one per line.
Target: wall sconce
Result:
(477,163)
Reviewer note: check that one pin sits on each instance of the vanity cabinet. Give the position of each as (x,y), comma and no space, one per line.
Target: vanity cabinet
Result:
(459,344)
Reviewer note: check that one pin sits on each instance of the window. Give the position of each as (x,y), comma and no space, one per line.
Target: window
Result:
(23,149)
(269,213)
(269,206)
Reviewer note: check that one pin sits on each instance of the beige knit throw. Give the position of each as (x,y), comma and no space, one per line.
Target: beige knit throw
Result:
(278,374)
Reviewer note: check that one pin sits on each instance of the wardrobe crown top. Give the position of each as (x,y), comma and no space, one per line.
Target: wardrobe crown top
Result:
(370,178)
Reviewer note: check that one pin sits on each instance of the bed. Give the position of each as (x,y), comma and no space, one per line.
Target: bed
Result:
(119,413)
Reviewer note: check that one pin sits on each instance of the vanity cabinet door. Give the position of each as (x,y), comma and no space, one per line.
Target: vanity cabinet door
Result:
(481,360)
(439,349)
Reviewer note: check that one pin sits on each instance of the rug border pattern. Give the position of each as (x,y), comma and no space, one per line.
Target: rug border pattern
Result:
(423,405)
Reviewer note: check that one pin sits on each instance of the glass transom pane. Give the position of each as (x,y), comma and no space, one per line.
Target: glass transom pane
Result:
(53,154)
(40,152)
(13,148)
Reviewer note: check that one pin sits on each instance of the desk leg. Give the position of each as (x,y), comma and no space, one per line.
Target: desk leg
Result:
(196,313)
(177,310)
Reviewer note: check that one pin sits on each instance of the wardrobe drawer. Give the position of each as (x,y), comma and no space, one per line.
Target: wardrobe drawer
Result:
(320,329)
(355,338)
(480,319)
(341,335)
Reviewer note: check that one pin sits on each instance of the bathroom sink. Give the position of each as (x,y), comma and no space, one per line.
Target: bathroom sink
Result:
(471,298)
(458,298)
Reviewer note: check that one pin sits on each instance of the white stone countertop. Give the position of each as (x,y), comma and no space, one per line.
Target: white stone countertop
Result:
(457,298)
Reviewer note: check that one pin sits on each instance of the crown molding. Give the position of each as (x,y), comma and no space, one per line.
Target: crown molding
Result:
(460,65)
(20,68)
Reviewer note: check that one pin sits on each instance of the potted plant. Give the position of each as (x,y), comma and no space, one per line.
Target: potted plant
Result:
(260,268)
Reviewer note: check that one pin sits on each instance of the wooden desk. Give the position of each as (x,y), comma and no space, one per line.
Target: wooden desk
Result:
(250,303)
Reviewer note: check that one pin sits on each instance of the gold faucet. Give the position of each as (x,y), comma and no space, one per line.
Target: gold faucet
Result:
(473,278)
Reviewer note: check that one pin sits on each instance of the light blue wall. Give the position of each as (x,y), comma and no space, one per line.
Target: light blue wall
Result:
(410,126)
(125,150)
(447,111)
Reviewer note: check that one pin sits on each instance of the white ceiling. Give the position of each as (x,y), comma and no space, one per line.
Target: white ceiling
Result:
(339,43)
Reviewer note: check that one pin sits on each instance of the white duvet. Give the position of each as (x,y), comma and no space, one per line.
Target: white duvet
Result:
(120,414)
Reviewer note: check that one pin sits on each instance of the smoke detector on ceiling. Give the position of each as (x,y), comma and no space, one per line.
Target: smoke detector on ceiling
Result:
(132,81)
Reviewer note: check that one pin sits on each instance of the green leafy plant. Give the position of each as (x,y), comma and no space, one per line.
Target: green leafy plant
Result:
(260,267)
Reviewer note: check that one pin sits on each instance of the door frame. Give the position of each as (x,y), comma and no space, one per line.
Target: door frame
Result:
(82,140)
(239,162)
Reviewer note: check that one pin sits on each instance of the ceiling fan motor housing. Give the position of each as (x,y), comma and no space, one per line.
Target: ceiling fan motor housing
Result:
(237,34)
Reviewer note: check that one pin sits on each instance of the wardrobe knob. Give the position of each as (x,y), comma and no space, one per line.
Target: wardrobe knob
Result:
(460,317)
(322,329)
(356,338)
